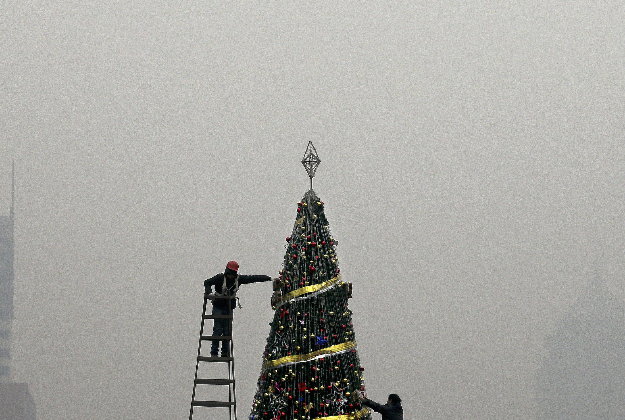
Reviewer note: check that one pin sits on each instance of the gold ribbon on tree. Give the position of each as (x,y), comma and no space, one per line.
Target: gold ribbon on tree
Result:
(310,289)
(297,358)
(357,415)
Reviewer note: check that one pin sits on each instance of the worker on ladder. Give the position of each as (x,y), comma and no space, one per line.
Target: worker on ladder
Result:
(226,286)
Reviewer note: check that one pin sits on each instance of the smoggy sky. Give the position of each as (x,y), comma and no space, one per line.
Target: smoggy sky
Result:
(472,170)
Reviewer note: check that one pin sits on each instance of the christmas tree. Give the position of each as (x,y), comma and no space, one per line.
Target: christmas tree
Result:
(310,366)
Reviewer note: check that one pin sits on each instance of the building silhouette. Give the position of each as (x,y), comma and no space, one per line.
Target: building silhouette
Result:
(6,289)
(16,402)
(583,375)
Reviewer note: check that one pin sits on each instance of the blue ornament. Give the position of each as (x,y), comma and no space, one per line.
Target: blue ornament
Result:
(320,341)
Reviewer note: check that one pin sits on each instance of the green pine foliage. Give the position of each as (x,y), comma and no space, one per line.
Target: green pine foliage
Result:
(310,365)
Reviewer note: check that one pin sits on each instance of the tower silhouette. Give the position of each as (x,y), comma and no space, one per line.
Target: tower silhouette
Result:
(7,255)
(583,375)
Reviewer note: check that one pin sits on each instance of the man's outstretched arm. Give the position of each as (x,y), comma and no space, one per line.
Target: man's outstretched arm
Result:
(374,405)
(246,279)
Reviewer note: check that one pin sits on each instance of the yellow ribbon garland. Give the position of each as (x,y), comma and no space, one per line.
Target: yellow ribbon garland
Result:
(305,357)
(309,289)
(357,415)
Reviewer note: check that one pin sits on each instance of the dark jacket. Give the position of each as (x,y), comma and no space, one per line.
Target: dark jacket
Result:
(389,412)
(218,282)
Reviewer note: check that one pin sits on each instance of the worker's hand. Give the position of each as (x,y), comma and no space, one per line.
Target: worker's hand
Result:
(359,396)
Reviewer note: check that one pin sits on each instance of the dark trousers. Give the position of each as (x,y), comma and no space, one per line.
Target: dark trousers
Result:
(221,327)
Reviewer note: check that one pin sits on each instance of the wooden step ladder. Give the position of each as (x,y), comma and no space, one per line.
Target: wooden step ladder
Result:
(203,386)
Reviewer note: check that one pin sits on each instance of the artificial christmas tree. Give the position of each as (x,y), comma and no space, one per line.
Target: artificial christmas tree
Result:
(310,366)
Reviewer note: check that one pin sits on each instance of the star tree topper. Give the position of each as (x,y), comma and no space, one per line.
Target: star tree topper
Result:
(311,161)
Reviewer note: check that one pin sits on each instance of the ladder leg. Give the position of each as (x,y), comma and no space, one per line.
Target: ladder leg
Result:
(234,397)
(197,360)
(231,368)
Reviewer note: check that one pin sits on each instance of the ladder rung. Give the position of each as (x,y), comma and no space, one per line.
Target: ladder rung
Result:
(217,337)
(214,381)
(217,316)
(214,359)
(212,404)
(211,296)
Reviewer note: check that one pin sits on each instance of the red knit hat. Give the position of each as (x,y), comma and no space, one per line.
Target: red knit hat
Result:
(232,265)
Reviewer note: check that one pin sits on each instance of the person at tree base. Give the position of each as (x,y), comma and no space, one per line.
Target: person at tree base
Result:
(392,410)
(226,286)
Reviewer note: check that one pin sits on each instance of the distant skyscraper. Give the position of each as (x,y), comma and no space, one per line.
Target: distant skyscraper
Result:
(6,289)
(583,375)
(16,403)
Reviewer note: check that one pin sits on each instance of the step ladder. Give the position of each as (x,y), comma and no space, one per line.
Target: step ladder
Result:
(205,387)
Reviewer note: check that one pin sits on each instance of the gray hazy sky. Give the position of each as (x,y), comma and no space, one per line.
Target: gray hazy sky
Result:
(472,169)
